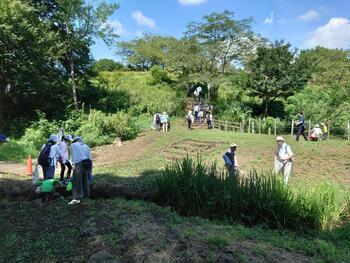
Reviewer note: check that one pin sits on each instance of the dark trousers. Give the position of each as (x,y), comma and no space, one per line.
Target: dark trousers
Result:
(300,131)
(196,115)
(189,124)
(63,168)
(48,172)
(209,124)
(80,181)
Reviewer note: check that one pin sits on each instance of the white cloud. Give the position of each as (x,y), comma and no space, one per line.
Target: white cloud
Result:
(269,19)
(117,27)
(192,2)
(143,20)
(309,15)
(335,34)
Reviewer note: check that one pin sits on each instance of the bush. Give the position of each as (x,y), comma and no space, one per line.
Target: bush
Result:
(14,151)
(159,76)
(195,189)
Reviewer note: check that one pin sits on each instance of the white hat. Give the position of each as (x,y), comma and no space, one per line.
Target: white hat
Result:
(53,137)
(279,138)
(76,138)
(164,112)
(67,137)
(317,126)
(233,145)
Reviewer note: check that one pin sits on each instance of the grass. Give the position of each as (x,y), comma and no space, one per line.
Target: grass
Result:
(14,151)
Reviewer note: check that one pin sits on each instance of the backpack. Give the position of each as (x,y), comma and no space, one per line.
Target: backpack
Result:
(44,160)
(286,151)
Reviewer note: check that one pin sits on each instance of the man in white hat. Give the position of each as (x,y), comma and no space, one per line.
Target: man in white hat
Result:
(47,157)
(283,159)
(230,159)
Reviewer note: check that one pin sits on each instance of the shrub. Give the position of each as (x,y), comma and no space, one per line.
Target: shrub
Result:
(14,151)
(159,75)
(194,188)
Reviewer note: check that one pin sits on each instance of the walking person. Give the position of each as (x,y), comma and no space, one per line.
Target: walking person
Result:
(164,119)
(82,163)
(196,112)
(209,118)
(190,120)
(64,156)
(283,159)
(230,159)
(301,127)
(48,157)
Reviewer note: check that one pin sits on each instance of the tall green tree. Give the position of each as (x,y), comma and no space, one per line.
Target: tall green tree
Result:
(277,73)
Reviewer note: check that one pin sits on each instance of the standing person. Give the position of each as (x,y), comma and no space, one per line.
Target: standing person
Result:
(196,111)
(48,157)
(157,121)
(82,161)
(300,126)
(230,159)
(324,131)
(164,119)
(209,118)
(283,159)
(64,156)
(190,120)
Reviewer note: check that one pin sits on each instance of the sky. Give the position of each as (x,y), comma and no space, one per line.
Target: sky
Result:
(303,23)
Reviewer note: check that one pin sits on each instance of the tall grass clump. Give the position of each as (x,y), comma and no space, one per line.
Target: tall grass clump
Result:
(194,188)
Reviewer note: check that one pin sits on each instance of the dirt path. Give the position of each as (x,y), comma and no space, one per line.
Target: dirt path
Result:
(12,168)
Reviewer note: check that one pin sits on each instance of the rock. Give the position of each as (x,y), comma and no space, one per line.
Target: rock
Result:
(102,256)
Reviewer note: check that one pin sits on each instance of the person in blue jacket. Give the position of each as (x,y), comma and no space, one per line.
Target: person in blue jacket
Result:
(301,126)
(230,159)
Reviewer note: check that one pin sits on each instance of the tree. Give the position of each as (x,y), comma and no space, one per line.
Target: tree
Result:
(223,39)
(78,22)
(276,73)
(106,65)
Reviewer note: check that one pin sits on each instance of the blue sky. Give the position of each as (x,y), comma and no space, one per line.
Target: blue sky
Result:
(305,24)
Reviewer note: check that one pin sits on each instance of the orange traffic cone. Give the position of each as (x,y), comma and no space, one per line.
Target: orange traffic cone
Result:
(30,166)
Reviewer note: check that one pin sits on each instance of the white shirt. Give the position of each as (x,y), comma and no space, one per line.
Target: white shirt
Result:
(196,108)
(63,151)
(282,152)
(317,132)
(80,151)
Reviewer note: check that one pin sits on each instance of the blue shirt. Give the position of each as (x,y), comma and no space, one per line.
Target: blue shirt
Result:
(80,152)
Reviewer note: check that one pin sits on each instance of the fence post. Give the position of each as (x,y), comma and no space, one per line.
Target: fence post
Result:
(269,131)
(348,131)
(309,130)
(225,125)
(275,127)
(292,129)
(243,123)
(253,128)
(249,125)
(259,126)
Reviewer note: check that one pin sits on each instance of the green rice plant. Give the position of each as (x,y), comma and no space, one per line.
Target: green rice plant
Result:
(194,188)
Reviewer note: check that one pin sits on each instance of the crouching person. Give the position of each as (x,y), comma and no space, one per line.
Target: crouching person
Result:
(46,189)
(82,163)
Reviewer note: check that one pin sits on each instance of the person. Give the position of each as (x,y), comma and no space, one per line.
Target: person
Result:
(200,116)
(190,120)
(324,129)
(300,126)
(209,118)
(283,159)
(48,157)
(82,163)
(316,133)
(3,138)
(164,119)
(46,189)
(230,159)
(63,158)
(156,121)
(196,111)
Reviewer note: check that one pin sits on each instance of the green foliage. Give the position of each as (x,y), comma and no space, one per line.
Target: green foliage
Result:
(159,75)
(193,188)
(15,151)
(106,65)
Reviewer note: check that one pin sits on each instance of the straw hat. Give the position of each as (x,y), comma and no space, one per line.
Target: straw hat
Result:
(233,145)
(279,138)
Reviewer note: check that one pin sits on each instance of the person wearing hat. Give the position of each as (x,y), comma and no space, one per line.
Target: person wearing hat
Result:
(230,159)
(316,133)
(164,119)
(82,163)
(283,159)
(48,157)
(301,127)
(64,156)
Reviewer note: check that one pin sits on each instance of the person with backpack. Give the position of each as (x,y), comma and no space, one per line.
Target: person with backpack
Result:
(209,118)
(64,156)
(283,159)
(230,159)
(48,157)
(157,121)
(82,163)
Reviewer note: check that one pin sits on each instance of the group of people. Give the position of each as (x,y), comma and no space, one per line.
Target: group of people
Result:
(161,122)
(53,152)
(283,159)
(317,133)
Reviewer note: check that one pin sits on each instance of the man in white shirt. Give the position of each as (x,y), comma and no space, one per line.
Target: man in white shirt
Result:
(283,159)
(82,163)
